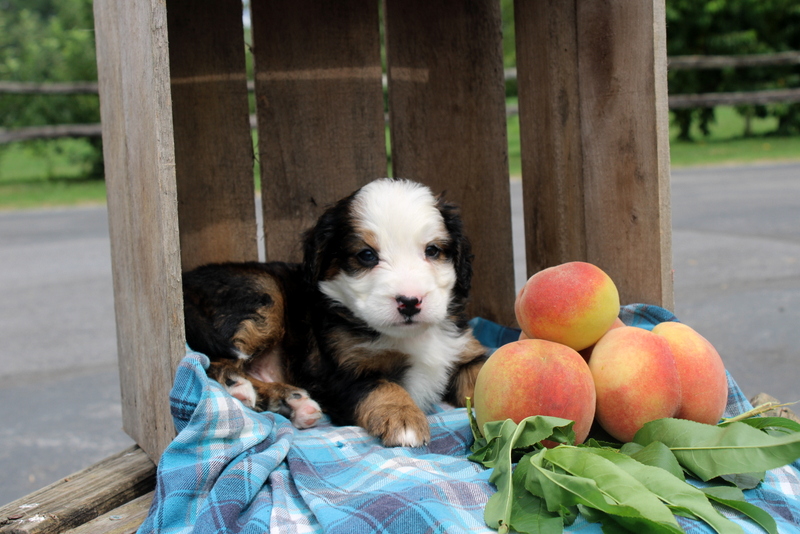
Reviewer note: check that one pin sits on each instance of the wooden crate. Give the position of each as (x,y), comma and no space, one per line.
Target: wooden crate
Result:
(179,163)
(179,158)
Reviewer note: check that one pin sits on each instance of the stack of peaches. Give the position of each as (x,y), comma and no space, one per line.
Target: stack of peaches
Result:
(576,359)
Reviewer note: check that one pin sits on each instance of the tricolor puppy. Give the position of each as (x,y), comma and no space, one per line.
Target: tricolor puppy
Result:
(371,325)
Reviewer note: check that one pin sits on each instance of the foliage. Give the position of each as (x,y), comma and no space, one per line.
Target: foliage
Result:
(49,41)
(633,487)
(733,27)
(509,44)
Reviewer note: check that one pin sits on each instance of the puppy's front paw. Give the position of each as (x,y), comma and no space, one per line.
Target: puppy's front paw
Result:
(389,414)
(406,428)
(234,380)
(289,401)
(305,410)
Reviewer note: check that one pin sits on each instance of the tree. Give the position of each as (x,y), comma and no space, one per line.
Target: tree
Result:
(48,41)
(732,27)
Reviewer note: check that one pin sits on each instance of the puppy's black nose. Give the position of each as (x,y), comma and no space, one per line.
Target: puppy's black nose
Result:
(408,306)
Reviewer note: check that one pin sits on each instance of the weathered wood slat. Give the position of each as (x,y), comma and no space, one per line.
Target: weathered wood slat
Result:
(125,519)
(625,132)
(49,88)
(550,132)
(321,128)
(709,100)
(55,131)
(133,70)
(81,497)
(594,136)
(791,57)
(448,127)
(213,144)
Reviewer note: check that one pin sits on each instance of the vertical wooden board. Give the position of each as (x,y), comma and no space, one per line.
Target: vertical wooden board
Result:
(448,127)
(133,73)
(213,143)
(550,132)
(320,110)
(622,72)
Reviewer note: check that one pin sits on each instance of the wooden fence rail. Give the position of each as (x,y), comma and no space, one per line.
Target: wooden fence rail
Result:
(676,101)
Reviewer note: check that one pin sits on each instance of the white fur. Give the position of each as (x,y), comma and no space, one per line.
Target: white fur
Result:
(403,218)
(408,438)
(243,390)
(433,354)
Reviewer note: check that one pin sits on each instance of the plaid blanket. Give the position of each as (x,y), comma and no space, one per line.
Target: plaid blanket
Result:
(233,470)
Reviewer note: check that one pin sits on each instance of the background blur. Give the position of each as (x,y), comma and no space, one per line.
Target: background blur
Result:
(734,85)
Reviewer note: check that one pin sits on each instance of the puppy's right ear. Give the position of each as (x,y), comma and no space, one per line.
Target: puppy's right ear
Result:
(315,242)
(322,243)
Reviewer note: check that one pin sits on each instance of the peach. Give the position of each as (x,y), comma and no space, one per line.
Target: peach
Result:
(587,352)
(636,380)
(573,303)
(704,384)
(536,377)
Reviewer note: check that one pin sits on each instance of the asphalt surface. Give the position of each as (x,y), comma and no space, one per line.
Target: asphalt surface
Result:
(736,247)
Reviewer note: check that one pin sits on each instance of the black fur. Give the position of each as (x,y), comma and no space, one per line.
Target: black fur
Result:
(319,331)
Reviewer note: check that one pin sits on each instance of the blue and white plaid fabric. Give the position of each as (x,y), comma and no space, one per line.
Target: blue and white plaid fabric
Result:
(234,470)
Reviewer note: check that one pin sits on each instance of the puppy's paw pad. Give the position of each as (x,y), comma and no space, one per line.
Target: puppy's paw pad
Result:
(305,410)
(244,391)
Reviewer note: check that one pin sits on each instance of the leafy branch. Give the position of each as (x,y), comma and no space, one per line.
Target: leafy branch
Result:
(638,486)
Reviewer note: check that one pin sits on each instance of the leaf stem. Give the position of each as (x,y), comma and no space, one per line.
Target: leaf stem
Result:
(758,410)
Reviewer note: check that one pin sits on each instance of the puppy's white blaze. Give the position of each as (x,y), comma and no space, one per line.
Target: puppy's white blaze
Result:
(403,219)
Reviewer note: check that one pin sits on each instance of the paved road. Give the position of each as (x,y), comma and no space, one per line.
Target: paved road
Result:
(736,249)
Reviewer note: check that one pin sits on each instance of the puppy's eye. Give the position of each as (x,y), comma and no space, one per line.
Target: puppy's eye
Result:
(367,258)
(432,252)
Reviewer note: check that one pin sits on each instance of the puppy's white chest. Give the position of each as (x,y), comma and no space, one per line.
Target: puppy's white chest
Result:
(432,356)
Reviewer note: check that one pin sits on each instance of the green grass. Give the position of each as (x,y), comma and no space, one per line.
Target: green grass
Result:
(726,144)
(47,174)
(53,173)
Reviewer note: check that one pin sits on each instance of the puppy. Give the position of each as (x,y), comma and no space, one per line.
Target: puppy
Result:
(372,324)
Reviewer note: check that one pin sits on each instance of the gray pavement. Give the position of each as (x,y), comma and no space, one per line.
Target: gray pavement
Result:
(60,407)
(736,245)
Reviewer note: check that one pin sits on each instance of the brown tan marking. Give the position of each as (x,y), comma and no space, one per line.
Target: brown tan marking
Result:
(462,381)
(360,240)
(389,414)
(361,361)
(369,238)
(267,329)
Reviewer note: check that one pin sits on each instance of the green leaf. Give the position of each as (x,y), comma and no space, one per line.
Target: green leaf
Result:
(745,481)
(679,495)
(528,514)
(596,482)
(733,498)
(504,439)
(596,516)
(655,454)
(781,423)
(710,451)
(479,441)
(592,442)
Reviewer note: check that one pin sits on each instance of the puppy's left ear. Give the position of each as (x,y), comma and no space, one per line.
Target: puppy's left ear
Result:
(461,250)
